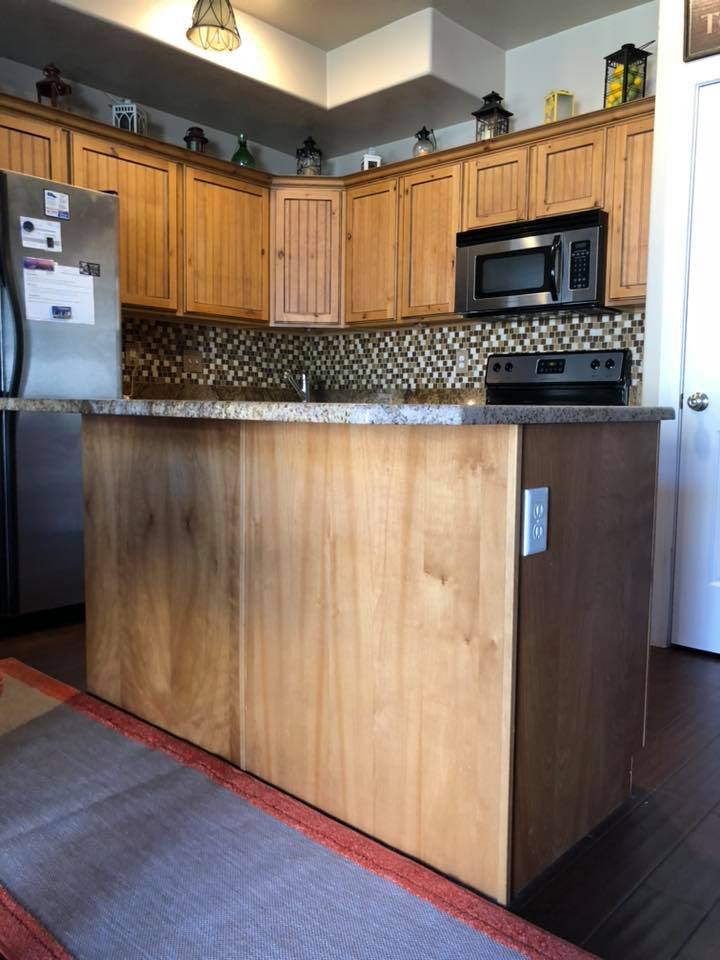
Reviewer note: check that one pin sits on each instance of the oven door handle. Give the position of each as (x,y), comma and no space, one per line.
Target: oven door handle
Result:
(555,251)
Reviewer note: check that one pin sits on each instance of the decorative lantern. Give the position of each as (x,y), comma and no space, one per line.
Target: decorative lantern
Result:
(53,87)
(195,139)
(625,75)
(127,115)
(242,156)
(491,120)
(559,105)
(309,159)
(371,160)
(213,26)
(426,142)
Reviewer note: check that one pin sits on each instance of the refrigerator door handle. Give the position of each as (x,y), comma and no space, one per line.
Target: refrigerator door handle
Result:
(11,387)
(9,599)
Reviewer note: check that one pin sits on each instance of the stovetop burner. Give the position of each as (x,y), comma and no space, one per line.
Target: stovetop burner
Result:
(570,377)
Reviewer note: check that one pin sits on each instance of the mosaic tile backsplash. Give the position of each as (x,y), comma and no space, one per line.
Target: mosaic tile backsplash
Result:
(408,358)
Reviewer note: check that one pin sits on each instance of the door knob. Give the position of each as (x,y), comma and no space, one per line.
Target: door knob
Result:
(698,402)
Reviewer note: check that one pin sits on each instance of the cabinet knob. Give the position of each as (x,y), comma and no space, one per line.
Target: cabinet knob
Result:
(349,236)
(281,254)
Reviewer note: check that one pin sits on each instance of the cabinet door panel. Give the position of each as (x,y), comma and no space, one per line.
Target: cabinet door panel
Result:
(146,186)
(569,174)
(496,188)
(307,234)
(226,244)
(629,191)
(371,252)
(32,146)
(430,213)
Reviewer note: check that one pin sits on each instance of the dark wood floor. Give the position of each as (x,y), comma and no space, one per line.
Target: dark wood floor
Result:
(644,886)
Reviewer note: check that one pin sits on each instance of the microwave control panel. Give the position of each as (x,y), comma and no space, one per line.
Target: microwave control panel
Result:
(579,264)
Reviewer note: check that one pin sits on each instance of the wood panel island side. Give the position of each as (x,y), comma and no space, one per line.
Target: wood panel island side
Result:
(332,597)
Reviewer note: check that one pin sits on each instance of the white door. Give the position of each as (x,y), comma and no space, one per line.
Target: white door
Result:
(696,620)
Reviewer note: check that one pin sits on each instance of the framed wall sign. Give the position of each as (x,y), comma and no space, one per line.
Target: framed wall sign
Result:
(702,28)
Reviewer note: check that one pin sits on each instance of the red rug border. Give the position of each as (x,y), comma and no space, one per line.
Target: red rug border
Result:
(447,896)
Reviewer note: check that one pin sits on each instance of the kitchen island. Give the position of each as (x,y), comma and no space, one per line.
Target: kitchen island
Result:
(332,597)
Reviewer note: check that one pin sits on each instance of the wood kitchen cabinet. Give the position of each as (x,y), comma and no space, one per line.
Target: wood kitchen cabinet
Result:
(226,246)
(568,174)
(628,192)
(33,146)
(430,220)
(473,708)
(307,231)
(146,185)
(371,252)
(495,188)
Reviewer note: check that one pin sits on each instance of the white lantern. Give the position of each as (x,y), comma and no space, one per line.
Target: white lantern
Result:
(127,115)
(371,159)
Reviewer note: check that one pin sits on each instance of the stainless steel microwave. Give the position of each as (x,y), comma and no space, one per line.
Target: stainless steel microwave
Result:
(552,264)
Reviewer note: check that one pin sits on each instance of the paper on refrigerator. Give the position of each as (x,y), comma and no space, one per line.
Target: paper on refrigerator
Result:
(57,294)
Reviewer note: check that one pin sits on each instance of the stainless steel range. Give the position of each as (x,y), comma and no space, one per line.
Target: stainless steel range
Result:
(572,377)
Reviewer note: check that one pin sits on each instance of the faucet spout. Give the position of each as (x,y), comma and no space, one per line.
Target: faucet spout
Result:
(301,385)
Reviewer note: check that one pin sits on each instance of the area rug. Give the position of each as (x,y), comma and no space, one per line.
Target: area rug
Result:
(119,842)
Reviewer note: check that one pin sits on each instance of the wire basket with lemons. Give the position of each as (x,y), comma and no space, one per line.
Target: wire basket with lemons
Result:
(625,74)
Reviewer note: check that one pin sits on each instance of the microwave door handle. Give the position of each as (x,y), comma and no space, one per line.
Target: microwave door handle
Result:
(555,251)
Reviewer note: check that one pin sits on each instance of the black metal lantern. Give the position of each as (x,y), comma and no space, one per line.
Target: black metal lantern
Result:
(491,120)
(53,87)
(309,159)
(625,75)
(195,139)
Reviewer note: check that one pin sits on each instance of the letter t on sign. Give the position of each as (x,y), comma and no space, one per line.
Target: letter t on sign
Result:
(702,28)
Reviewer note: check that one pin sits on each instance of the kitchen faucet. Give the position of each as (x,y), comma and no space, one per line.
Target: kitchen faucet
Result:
(301,384)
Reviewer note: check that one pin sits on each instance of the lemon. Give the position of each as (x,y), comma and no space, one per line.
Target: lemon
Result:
(618,71)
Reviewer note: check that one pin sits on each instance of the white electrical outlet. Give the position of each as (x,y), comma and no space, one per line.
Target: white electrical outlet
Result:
(461,361)
(535,520)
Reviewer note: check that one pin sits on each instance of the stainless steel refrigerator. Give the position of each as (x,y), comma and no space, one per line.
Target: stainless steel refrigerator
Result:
(59,338)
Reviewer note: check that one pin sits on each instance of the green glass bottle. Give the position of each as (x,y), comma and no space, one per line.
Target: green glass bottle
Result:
(242,156)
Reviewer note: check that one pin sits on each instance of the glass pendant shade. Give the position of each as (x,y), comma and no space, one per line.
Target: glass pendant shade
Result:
(213,26)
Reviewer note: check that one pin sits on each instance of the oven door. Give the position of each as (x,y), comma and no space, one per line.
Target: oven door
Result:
(517,273)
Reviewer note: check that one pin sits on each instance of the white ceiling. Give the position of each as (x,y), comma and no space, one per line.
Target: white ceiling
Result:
(508,23)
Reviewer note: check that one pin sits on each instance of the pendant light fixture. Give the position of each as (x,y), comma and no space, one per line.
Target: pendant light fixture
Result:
(213,26)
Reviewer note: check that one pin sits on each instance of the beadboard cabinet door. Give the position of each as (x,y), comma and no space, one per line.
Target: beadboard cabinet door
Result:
(568,174)
(430,220)
(629,171)
(33,146)
(496,188)
(307,255)
(371,252)
(226,246)
(146,186)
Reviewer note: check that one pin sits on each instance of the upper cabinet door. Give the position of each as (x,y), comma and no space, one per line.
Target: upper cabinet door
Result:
(226,246)
(568,174)
(496,188)
(629,170)
(33,146)
(146,186)
(430,220)
(307,245)
(371,252)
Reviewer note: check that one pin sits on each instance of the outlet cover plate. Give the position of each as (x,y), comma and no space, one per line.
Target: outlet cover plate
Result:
(536,502)
(192,361)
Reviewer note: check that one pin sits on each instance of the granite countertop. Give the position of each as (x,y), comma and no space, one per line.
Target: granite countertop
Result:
(447,414)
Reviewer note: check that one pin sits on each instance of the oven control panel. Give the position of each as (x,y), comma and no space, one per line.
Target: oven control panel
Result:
(572,376)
